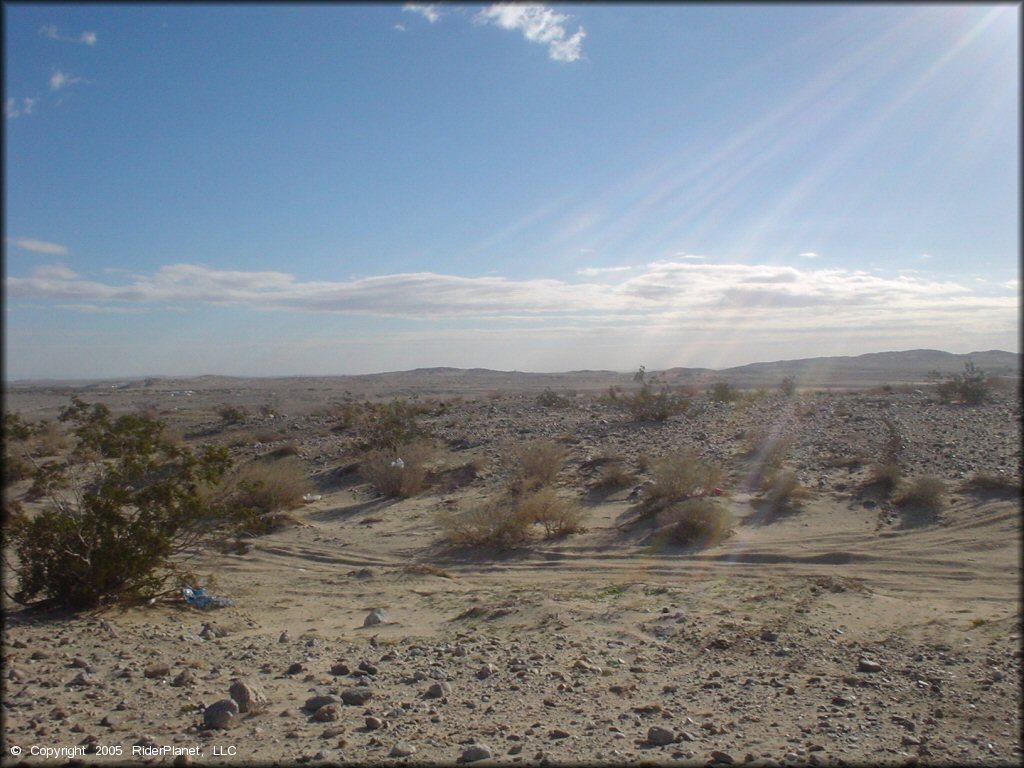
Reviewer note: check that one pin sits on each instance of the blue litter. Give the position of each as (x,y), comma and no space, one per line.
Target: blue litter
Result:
(198,598)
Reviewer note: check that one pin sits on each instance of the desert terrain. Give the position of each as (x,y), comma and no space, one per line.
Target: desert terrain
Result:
(844,628)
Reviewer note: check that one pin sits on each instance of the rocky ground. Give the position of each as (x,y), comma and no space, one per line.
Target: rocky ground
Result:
(843,632)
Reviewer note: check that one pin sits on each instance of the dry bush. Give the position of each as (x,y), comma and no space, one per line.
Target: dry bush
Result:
(386,426)
(232,414)
(782,489)
(614,476)
(885,477)
(537,464)
(48,439)
(997,484)
(924,493)
(281,452)
(496,524)
(266,487)
(400,472)
(678,477)
(558,515)
(699,521)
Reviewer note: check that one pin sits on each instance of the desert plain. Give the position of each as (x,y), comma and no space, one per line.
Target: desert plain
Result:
(843,628)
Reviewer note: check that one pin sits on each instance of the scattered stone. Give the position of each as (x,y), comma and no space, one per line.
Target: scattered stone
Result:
(867,665)
(486,671)
(376,616)
(315,702)
(340,668)
(438,690)
(722,757)
(285,637)
(221,714)
(373,723)
(185,677)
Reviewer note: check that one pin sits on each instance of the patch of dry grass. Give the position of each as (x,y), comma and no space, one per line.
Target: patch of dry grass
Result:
(884,477)
(997,484)
(782,490)
(558,515)
(268,486)
(924,493)
(538,463)
(509,521)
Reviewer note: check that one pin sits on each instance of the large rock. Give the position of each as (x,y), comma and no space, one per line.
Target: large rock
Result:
(249,695)
(356,696)
(476,752)
(221,714)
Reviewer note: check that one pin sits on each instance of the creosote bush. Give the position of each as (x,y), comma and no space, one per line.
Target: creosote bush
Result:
(136,503)
(386,426)
(997,484)
(258,489)
(782,490)
(884,476)
(679,476)
(972,387)
(701,522)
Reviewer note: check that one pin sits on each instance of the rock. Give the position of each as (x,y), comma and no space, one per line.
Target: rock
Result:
(249,695)
(285,637)
(402,749)
(221,714)
(660,736)
(558,733)
(376,616)
(340,668)
(157,669)
(79,663)
(373,723)
(486,671)
(476,752)
(867,665)
(185,677)
(315,702)
(722,757)
(327,713)
(211,630)
(356,696)
(438,690)
(769,636)
(294,668)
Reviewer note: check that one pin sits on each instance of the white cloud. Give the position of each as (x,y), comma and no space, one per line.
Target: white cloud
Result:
(12,108)
(400,27)
(40,246)
(428,11)
(60,80)
(538,24)
(691,256)
(591,271)
(809,255)
(54,272)
(52,32)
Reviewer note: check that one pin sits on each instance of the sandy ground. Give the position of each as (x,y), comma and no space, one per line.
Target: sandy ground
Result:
(841,633)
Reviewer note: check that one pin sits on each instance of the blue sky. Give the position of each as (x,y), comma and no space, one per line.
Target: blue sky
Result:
(330,189)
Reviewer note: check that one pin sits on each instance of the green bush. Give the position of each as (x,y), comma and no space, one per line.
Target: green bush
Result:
(723,392)
(551,399)
(137,505)
(385,426)
(232,414)
(788,386)
(971,387)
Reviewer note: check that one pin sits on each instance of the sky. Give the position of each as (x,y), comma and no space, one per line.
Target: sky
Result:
(270,190)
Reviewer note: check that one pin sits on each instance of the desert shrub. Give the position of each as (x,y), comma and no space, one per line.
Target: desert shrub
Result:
(699,521)
(614,476)
(400,472)
(884,476)
(48,439)
(232,414)
(558,515)
(994,483)
(722,392)
(266,485)
(551,399)
(508,521)
(496,524)
(788,386)
(971,387)
(114,538)
(282,451)
(538,463)
(385,426)
(923,493)
(15,467)
(678,477)
(782,490)
(654,401)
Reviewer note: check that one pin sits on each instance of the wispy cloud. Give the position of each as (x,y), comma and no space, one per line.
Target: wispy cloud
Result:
(52,32)
(60,80)
(808,255)
(690,256)
(539,24)
(591,271)
(429,11)
(16,108)
(669,294)
(40,246)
